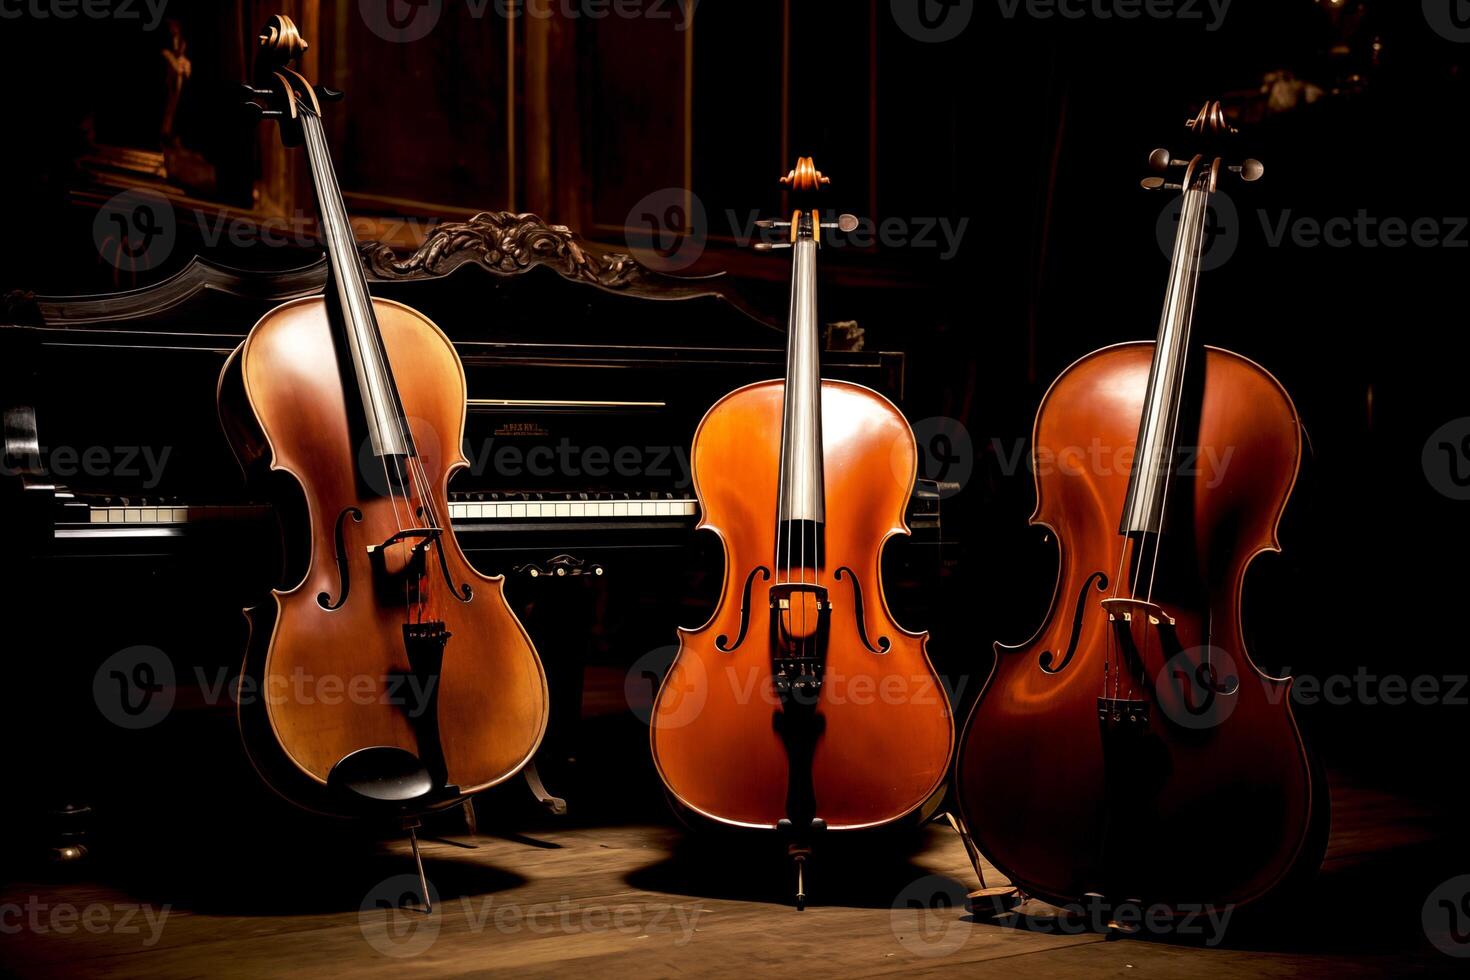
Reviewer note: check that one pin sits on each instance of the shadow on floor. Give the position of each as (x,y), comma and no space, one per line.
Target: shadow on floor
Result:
(853,870)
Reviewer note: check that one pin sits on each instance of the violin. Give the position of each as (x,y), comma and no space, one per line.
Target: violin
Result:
(1131,749)
(801,705)
(391,670)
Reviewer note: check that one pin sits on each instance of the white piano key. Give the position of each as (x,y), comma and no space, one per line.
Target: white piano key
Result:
(147,516)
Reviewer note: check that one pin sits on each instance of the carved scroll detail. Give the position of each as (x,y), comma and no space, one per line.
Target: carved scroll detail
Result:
(505,243)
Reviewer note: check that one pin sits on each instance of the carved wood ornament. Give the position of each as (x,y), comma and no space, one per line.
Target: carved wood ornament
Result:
(506,243)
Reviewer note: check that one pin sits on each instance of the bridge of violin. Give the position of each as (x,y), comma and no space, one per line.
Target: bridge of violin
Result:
(1121,712)
(1127,609)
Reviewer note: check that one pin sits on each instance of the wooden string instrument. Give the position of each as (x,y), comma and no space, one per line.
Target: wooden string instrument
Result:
(801,705)
(1131,749)
(391,667)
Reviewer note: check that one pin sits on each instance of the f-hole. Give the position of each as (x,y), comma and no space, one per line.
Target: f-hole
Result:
(722,640)
(884,644)
(344,576)
(1047,657)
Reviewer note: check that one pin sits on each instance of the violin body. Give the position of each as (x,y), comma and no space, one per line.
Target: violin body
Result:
(327,672)
(885,731)
(1209,799)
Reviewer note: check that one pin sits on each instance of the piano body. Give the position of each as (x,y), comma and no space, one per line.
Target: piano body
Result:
(587,376)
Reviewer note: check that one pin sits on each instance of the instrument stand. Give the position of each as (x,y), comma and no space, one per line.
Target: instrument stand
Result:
(985,902)
(555,804)
(412,824)
(799,850)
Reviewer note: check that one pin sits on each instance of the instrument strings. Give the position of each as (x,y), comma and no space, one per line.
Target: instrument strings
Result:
(1188,251)
(1193,255)
(341,239)
(796,538)
(809,457)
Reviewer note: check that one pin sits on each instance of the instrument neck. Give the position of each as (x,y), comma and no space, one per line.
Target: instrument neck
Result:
(802,494)
(383,412)
(1143,511)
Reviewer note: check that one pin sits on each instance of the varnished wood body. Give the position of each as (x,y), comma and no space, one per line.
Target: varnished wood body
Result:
(888,732)
(1213,810)
(282,402)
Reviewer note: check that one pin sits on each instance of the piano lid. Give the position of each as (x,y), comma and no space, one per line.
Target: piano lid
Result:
(515,273)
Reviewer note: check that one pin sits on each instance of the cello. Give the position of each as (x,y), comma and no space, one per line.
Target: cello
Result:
(1131,749)
(801,705)
(391,675)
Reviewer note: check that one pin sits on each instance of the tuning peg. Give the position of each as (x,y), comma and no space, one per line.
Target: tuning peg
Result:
(328,94)
(1159,184)
(1249,171)
(769,223)
(259,112)
(770,246)
(1161,159)
(844,223)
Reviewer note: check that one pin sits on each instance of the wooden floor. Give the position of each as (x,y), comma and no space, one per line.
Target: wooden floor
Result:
(649,901)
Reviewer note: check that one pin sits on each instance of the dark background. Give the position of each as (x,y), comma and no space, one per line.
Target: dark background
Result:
(1035,131)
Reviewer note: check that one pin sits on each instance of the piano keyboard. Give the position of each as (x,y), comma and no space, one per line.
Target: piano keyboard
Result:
(460,511)
(171,515)
(572,509)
